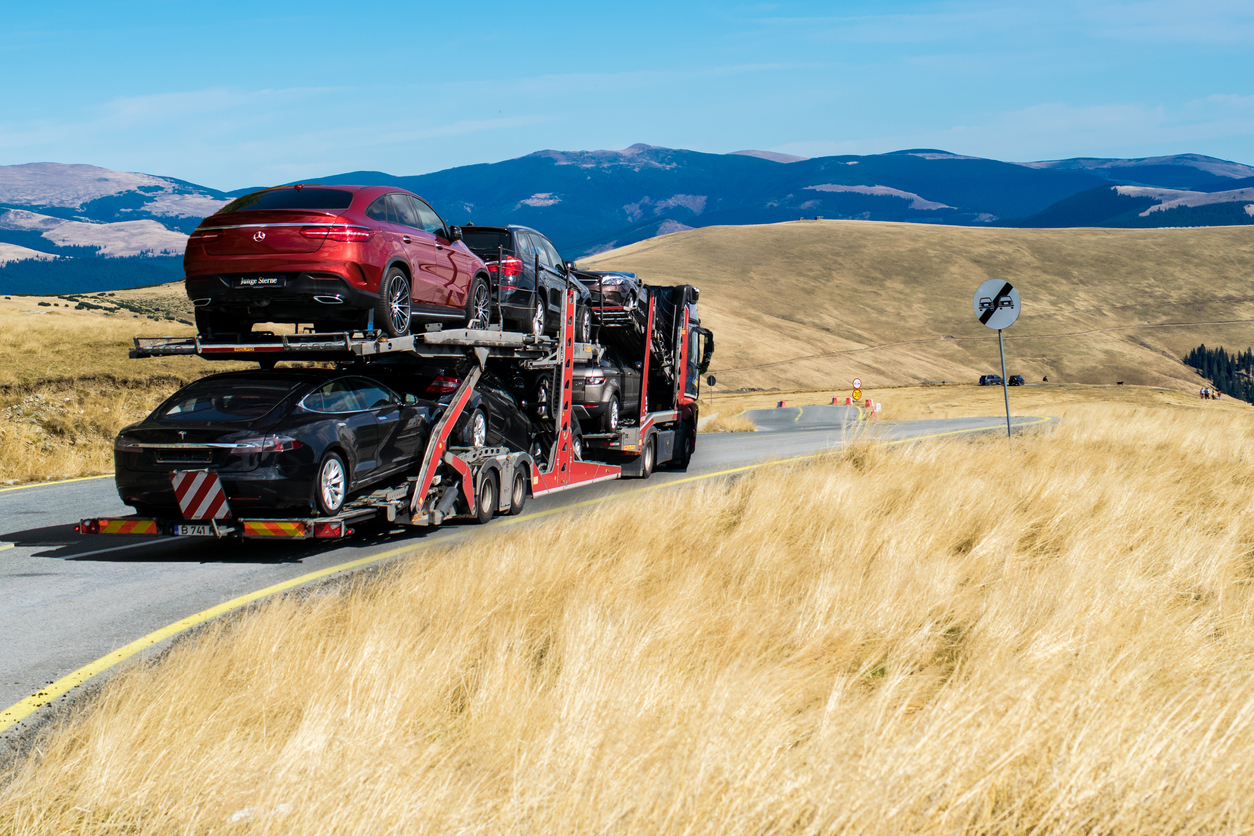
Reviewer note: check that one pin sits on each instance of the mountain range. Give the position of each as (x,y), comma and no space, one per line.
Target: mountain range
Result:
(78,228)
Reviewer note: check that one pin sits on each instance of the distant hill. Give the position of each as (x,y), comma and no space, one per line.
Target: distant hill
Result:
(813,304)
(76,228)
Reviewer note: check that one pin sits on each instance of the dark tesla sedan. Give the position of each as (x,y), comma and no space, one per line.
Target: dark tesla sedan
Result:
(290,440)
(337,257)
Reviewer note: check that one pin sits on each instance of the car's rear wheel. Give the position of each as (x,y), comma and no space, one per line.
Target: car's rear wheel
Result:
(476,432)
(584,331)
(486,501)
(478,305)
(518,494)
(395,307)
(538,319)
(609,421)
(331,487)
(544,405)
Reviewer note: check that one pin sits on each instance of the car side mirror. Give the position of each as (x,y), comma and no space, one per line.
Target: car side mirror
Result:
(410,399)
(454,233)
(570,266)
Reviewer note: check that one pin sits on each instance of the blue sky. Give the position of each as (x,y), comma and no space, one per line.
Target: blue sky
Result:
(232,94)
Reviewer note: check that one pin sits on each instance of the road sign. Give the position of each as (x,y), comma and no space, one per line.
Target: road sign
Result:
(857,394)
(857,383)
(997,304)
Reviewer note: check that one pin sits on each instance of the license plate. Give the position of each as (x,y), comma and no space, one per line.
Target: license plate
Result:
(193,530)
(260,281)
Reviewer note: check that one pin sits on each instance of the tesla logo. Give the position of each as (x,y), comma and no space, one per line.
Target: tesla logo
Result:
(182,436)
(259,236)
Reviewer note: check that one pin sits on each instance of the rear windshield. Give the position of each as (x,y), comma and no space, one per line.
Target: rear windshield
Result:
(239,400)
(305,198)
(485,243)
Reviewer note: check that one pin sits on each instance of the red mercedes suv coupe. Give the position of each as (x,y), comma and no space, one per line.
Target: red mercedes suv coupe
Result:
(337,257)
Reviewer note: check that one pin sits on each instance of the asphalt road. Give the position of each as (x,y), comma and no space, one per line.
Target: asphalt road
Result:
(67,600)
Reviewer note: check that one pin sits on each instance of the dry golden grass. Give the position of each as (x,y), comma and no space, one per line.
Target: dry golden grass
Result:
(728,423)
(932,638)
(66,384)
(778,292)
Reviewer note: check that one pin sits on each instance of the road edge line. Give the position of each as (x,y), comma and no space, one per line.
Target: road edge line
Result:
(58,482)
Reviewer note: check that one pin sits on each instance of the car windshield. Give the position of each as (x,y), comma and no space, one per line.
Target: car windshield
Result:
(306,198)
(486,243)
(239,400)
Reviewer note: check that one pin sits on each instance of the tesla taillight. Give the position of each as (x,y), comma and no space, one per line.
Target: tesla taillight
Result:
(509,266)
(268,444)
(343,233)
(443,385)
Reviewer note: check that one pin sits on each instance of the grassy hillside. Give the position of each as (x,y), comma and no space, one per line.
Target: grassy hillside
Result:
(780,292)
(939,638)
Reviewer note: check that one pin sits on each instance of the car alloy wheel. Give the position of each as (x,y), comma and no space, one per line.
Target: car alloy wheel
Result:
(332,485)
(478,429)
(395,304)
(538,319)
(585,326)
(479,305)
(611,415)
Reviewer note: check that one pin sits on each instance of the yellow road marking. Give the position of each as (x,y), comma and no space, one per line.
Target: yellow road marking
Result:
(59,482)
(20,711)
(4,546)
(798,418)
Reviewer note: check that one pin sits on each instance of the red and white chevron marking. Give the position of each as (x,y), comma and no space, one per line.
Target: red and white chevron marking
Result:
(200,495)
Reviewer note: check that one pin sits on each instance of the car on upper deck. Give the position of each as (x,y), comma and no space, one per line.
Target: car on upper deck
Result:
(335,257)
(529,279)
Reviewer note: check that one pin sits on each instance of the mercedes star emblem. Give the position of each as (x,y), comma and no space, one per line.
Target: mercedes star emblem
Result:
(260,236)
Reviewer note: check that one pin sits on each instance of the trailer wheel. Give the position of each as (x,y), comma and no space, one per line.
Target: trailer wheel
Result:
(332,485)
(648,458)
(518,494)
(393,311)
(486,501)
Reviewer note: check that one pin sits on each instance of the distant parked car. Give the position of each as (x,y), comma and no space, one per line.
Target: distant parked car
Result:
(283,440)
(990,380)
(529,279)
(336,257)
(1015,380)
(606,392)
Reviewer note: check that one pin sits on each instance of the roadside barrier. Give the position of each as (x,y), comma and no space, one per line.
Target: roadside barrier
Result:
(781,404)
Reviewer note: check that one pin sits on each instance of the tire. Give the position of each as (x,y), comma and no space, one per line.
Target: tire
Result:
(684,454)
(475,434)
(583,333)
(611,419)
(648,458)
(331,486)
(518,494)
(487,498)
(478,305)
(543,399)
(538,453)
(393,312)
(539,319)
(576,441)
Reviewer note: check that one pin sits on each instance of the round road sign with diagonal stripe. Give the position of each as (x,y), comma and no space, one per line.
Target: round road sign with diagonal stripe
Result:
(997,304)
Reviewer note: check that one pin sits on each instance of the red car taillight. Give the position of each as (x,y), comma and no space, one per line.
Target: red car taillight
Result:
(507,267)
(443,385)
(343,233)
(203,236)
(268,444)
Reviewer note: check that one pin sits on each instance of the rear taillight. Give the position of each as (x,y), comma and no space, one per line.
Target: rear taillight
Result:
(594,380)
(443,385)
(88,527)
(331,530)
(506,267)
(268,444)
(343,233)
(203,236)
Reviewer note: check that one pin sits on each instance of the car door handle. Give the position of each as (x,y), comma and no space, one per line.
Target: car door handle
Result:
(439,246)
(407,239)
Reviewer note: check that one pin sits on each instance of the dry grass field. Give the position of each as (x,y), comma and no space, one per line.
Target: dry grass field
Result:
(931,638)
(1094,300)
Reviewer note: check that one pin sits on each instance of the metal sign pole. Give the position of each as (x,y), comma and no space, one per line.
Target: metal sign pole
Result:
(1005,388)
